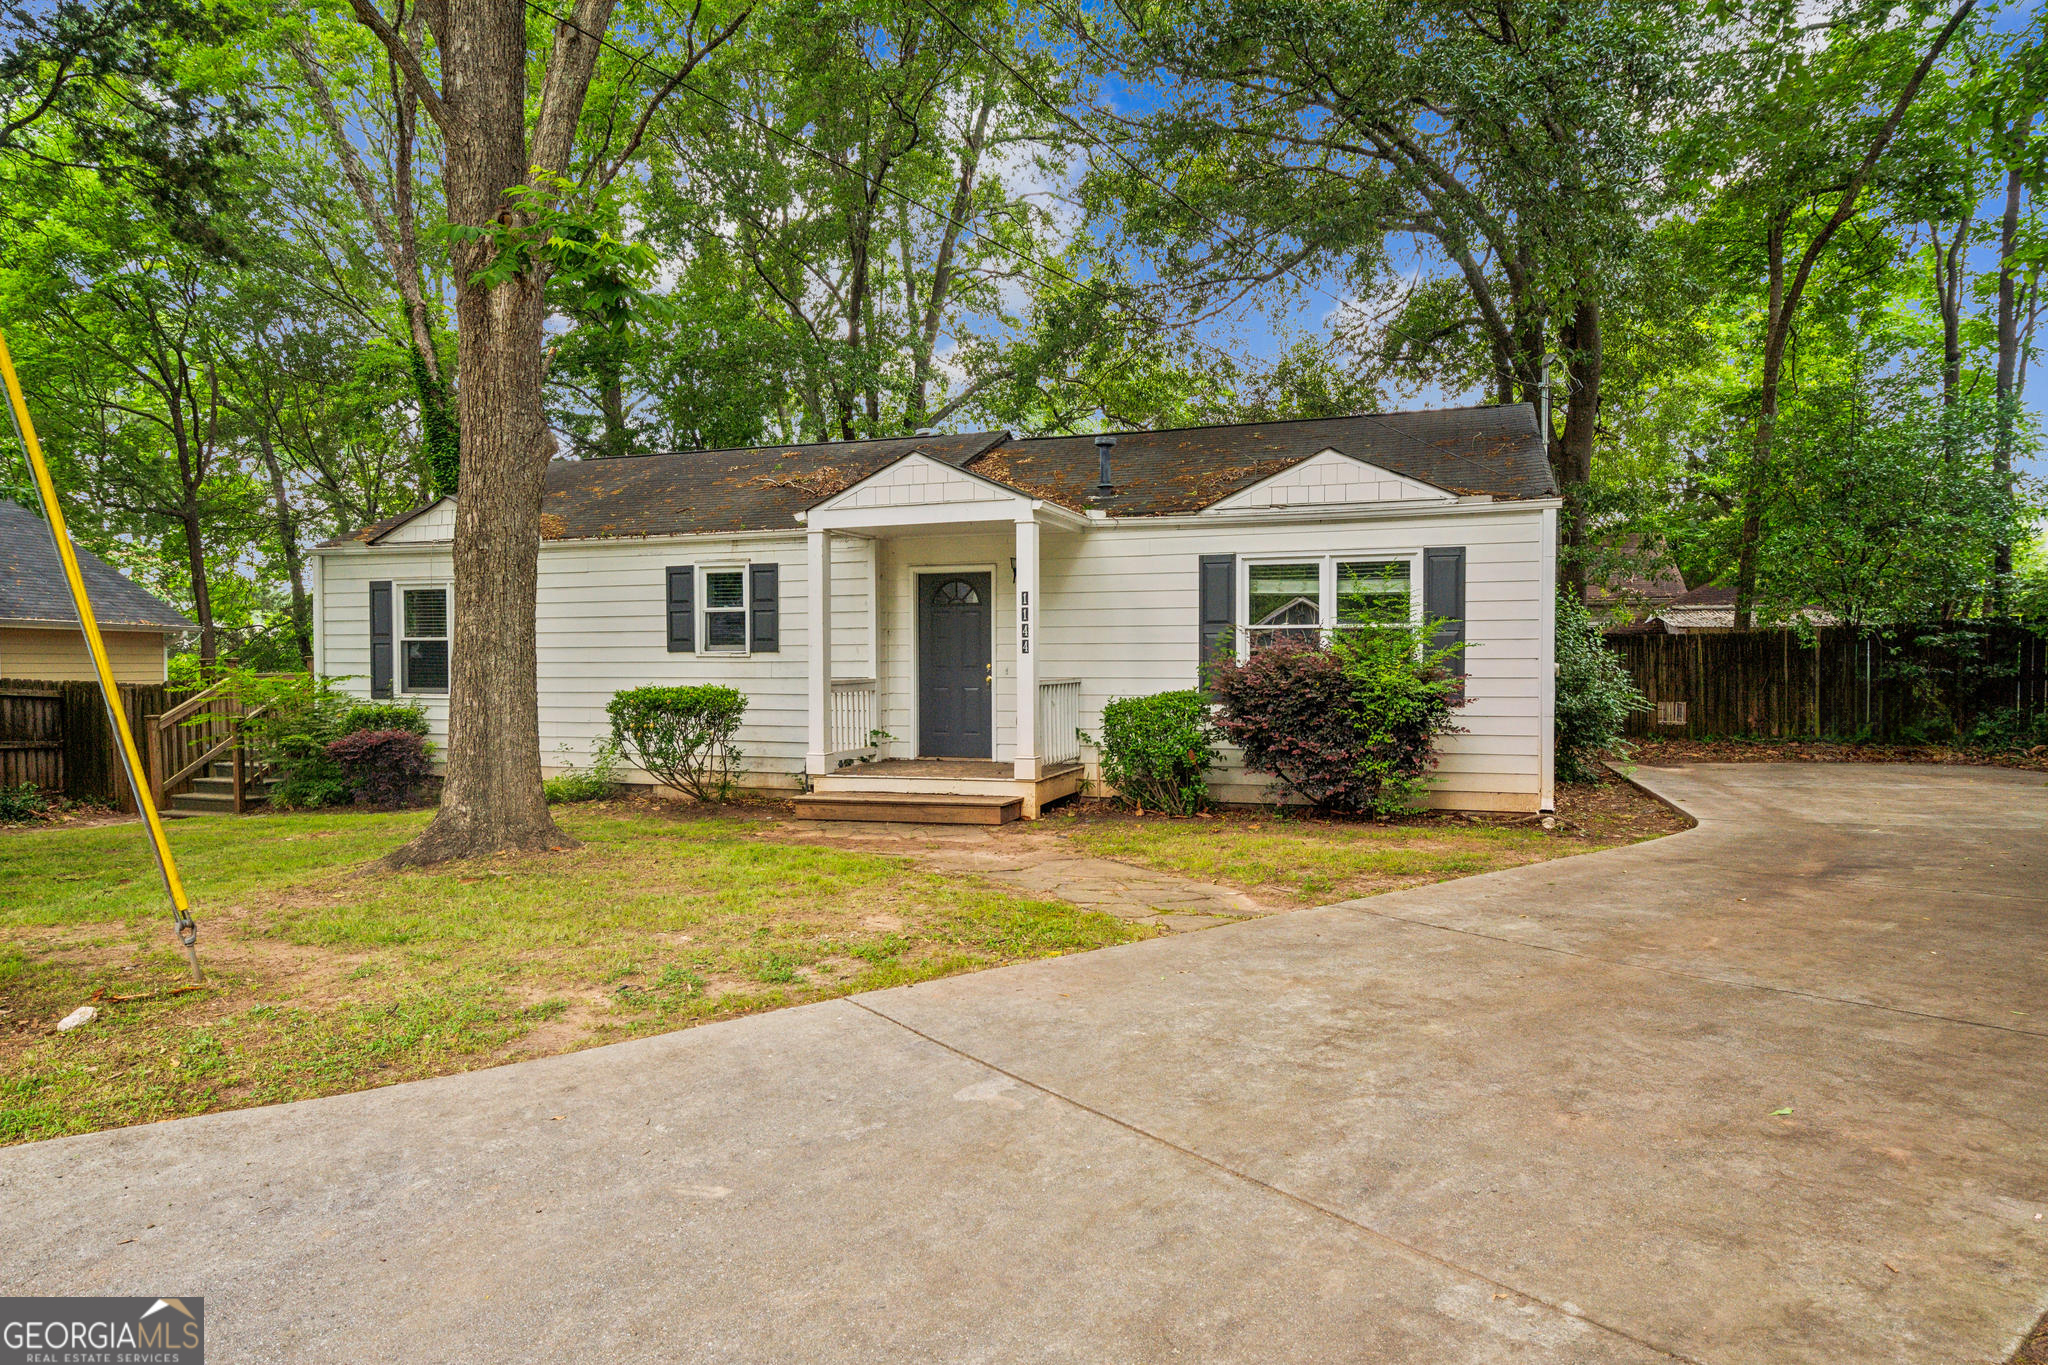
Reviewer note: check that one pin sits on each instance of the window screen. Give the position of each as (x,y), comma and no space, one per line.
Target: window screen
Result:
(1285,603)
(1373,593)
(725,610)
(424,640)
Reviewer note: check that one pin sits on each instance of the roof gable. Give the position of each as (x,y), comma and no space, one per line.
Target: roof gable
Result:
(32,586)
(918,480)
(433,524)
(1329,479)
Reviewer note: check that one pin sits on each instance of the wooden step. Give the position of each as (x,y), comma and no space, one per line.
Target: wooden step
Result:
(909,809)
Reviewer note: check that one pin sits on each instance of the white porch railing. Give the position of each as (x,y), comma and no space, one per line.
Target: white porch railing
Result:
(1059,721)
(853,714)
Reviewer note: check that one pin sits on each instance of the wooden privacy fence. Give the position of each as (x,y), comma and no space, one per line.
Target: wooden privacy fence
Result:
(55,734)
(1890,685)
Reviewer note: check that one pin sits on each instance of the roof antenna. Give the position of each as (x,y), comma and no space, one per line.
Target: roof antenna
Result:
(1103,445)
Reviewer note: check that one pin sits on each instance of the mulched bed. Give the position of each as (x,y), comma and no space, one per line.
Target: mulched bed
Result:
(1659,752)
(1609,808)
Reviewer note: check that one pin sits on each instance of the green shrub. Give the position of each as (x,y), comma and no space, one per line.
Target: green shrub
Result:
(1347,726)
(383,768)
(1595,695)
(384,715)
(594,783)
(682,735)
(23,802)
(293,717)
(1157,751)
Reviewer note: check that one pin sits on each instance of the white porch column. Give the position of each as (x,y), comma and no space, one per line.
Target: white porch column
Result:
(1027,649)
(816,757)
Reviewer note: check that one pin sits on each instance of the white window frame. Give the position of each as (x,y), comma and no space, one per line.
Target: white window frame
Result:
(1326,586)
(745,569)
(402,683)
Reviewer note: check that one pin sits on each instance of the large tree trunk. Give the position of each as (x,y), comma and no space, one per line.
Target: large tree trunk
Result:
(2008,371)
(288,538)
(491,800)
(1580,337)
(1756,486)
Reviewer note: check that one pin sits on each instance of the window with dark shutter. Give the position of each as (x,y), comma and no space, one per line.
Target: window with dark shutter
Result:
(1443,600)
(764,635)
(380,640)
(682,610)
(1218,630)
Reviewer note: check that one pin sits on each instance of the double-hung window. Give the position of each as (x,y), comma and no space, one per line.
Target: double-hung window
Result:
(1303,598)
(725,611)
(423,640)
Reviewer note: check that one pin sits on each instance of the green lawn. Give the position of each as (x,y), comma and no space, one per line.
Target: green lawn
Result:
(330,975)
(1313,861)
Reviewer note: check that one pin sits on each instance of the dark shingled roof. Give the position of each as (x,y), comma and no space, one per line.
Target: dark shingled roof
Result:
(1485,450)
(32,586)
(1492,450)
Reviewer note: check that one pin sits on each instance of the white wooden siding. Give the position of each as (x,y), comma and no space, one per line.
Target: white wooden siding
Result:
(918,481)
(1118,610)
(59,654)
(435,526)
(1327,480)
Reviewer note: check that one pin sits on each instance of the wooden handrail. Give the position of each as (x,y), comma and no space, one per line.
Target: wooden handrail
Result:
(190,706)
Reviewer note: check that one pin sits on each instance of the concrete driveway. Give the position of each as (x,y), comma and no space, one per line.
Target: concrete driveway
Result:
(1522,1117)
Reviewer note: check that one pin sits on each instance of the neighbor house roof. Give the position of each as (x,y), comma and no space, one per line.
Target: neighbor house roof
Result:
(1492,451)
(32,587)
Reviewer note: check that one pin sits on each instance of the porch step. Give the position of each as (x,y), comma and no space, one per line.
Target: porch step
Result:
(903,808)
(196,802)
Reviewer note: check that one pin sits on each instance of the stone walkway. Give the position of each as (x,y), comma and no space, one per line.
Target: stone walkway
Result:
(1042,863)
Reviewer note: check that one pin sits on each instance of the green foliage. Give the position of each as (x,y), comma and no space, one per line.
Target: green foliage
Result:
(1156,751)
(682,735)
(24,801)
(1595,695)
(382,768)
(1348,726)
(595,783)
(291,719)
(384,715)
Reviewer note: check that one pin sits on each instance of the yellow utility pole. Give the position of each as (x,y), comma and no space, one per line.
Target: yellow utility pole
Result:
(138,780)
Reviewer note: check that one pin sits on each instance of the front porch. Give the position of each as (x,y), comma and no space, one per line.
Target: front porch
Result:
(950,716)
(942,791)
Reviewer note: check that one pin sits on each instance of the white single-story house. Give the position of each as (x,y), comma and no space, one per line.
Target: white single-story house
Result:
(946,616)
(40,639)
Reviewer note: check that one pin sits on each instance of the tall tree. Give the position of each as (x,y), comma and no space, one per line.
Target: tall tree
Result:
(1507,142)
(1787,186)
(512,181)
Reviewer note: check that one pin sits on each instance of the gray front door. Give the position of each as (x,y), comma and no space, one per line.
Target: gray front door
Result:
(955,677)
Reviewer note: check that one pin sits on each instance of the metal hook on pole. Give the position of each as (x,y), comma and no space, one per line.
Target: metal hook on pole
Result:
(110,691)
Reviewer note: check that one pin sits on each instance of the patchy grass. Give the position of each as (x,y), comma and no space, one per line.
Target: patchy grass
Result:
(329,976)
(1306,860)
(1738,750)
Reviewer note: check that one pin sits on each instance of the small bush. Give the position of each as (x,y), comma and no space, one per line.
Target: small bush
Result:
(384,715)
(300,713)
(1595,695)
(1349,726)
(595,783)
(382,767)
(682,735)
(23,802)
(1157,751)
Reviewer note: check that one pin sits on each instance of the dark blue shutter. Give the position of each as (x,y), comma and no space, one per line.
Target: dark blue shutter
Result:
(1218,633)
(682,610)
(764,624)
(1443,600)
(380,640)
